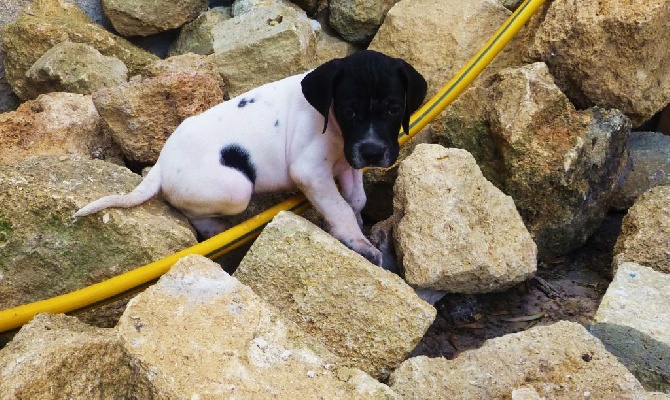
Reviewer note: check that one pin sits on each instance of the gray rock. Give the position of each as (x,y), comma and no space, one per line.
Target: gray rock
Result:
(364,314)
(141,114)
(633,320)
(200,333)
(55,123)
(196,37)
(75,68)
(45,252)
(358,20)
(55,354)
(611,57)
(263,45)
(454,230)
(648,166)
(645,231)
(560,361)
(148,17)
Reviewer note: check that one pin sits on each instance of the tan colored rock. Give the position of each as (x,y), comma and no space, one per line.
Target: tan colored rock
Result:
(262,46)
(75,68)
(142,114)
(364,314)
(9,10)
(330,46)
(454,230)
(648,166)
(611,55)
(358,20)
(46,23)
(148,17)
(200,333)
(645,232)
(55,356)
(560,361)
(45,252)
(55,123)
(632,321)
(196,37)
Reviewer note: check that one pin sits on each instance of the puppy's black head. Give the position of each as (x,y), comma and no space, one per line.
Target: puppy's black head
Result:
(372,95)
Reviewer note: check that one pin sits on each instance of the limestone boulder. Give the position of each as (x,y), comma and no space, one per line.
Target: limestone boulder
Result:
(648,166)
(141,114)
(611,56)
(263,45)
(55,354)
(188,63)
(645,231)
(560,361)
(200,333)
(196,37)
(45,23)
(329,45)
(364,314)
(55,123)
(454,230)
(9,10)
(148,17)
(357,21)
(75,68)
(45,252)
(632,321)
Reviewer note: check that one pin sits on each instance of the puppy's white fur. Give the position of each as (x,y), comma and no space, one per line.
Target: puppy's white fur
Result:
(281,132)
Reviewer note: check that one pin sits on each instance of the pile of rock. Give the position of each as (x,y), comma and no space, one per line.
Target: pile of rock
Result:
(523,166)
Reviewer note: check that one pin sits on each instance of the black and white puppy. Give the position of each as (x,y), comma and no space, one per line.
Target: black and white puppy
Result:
(298,132)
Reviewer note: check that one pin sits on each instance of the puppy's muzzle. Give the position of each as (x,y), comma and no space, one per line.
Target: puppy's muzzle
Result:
(371,154)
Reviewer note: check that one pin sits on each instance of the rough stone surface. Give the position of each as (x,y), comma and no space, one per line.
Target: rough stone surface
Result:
(645,232)
(454,230)
(329,45)
(263,45)
(45,252)
(648,166)
(358,20)
(75,68)
(560,165)
(632,321)
(364,314)
(9,10)
(188,63)
(148,17)
(610,54)
(142,114)
(196,37)
(46,23)
(200,333)
(58,354)
(560,361)
(55,123)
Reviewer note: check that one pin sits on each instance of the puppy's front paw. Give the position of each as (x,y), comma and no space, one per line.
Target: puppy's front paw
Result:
(364,248)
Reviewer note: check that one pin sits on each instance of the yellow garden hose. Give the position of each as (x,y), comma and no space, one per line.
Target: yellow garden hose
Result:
(134,280)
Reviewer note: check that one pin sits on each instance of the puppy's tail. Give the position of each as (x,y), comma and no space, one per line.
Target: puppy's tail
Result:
(148,188)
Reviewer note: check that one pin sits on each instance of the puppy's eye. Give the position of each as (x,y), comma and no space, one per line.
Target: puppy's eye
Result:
(395,110)
(348,113)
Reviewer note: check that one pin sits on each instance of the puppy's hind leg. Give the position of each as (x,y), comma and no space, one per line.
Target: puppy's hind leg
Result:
(208,226)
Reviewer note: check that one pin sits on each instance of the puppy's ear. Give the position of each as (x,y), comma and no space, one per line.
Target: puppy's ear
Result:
(318,86)
(415,91)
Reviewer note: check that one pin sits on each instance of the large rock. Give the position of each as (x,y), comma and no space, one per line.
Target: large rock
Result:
(364,314)
(143,113)
(454,230)
(633,320)
(45,252)
(46,23)
(358,20)
(561,361)
(148,17)
(75,68)
(560,165)
(263,45)
(54,123)
(648,166)
(196,37)
(55,356)
(612,56)
(9,10)
(645,232)
(200,333)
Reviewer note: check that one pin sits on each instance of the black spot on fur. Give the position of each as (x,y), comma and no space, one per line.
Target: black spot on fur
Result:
(244,102)
(276,123)
(234,156)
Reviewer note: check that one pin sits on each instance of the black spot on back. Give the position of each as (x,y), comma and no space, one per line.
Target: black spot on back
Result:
(243,102)
(276,123)
(234,156)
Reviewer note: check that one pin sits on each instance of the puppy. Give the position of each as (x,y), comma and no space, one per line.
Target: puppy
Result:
(298,132)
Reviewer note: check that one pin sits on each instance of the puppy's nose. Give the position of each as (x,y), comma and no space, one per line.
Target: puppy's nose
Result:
(372,153)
